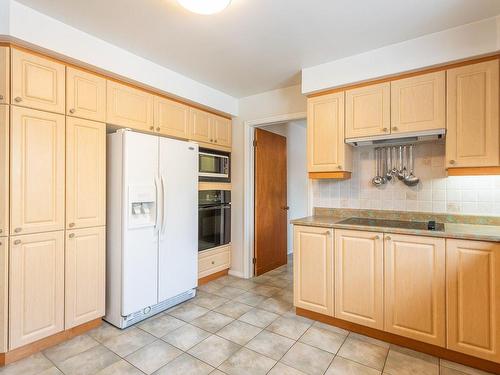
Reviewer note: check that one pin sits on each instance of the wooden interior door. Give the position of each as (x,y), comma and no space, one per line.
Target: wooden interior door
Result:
(271,210)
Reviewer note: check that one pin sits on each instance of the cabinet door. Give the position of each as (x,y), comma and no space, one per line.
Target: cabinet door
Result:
(4,75)
(4,293)
(418,103)
(85,95)
(473,298)
(37,165)
(415,288)
(85,275)
(171,118)
(472,138)
(326,150)
(200,126)
(85,173)
(129,107)
(4,170)
(37,82)
(359,277)
(368,111)
(313,270)
(221,131)
(36,287)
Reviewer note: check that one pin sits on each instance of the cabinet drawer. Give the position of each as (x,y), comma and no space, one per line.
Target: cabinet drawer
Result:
(212,261)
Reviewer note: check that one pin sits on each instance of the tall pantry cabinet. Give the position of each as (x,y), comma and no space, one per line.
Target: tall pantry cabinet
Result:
(52,199)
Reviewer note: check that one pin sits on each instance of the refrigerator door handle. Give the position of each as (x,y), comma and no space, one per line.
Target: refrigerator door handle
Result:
(158,205)
(164,201)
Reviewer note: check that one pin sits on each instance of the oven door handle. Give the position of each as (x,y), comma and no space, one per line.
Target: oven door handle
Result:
(207,208)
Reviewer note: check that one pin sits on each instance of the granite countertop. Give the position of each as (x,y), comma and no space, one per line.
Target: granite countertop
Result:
(467,231)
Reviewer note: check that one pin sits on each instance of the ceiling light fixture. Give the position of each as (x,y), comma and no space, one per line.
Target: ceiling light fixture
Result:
(205,6)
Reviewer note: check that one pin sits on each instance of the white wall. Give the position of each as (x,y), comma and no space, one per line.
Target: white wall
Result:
(436,192)
(297,179)
(25,25)
(475,39)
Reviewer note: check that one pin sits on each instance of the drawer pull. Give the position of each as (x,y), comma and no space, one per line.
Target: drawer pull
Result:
(213,261)
(158,129)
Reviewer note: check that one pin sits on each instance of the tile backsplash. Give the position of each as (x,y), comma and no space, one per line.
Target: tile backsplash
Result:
(435,192)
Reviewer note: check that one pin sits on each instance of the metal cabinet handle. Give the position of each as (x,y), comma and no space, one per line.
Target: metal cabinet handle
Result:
(211,140)
(452,161)
(71,225)
(158,129)
(151,128)
(215,141)
(17,230)
(327,233)
(17,242)
(395,128)
(385,130)
(376,237)
(0,243)
(72,110)
(1,97)
(388,238)
(339,167)
(1,230)
(213,262)
(71,235)
(18,99)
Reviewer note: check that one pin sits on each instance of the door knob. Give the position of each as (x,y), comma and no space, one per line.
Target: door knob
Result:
(286,208)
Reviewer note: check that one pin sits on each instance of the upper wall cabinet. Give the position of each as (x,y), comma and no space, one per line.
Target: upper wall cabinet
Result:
(368,111)
(472,138)
(326,150)
(4,75)
(200,128)
(418,103)
(85,173)
(129,107)
(221,131)
(4,170)
(37,165)
(85,95)
(171,118)
(37,82)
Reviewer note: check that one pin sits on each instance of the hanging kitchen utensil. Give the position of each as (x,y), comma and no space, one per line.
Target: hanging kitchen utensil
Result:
(411,179)
(394,170)
(377,180)
(402,166)
(388,174)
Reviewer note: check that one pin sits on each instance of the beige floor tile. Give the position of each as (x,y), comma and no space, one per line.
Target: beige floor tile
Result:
(51,371)
(259,318)
(275,305)
(233,309)
(370,340)
(239,332)
(363,352)
(89,362)
(289,327)
(227,280)
(461,368)
(229,292)
(247,362)
(188,312)
(265,290)
(217,372)
(28,366)
(70,348)
(106,331)
(244,284)
(342,366)
(209,301)
(270,344)
(405,362)
(331,328)
(212,321)
(262,279)
(129,342)
(323,339)
(278,282)
(160,325)
(186,337)
(308,359)
(210,287)
(250,298)
(185,365)
(153,356)
(214,350)
(282,369)
(120,368)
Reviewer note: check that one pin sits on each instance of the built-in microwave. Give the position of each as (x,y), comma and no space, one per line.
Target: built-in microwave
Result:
(214,166)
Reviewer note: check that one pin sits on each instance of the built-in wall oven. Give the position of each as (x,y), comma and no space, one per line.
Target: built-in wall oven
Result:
(214,166)
(214,218)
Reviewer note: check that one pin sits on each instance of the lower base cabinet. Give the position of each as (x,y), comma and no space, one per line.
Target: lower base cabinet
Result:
(36,287)
(4,292)
(313,269)
(214,260)
(85,276)
(473,298)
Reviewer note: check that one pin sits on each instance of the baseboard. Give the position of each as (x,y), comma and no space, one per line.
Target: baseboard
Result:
(237,274)
(212,277)
(423,347)
(37,346)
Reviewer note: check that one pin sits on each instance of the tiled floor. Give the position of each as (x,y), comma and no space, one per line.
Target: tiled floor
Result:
(233,327)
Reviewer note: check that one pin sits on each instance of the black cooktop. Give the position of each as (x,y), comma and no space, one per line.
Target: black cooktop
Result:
(417,225)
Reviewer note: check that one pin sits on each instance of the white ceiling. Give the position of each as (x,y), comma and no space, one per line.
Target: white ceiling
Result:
(259,45)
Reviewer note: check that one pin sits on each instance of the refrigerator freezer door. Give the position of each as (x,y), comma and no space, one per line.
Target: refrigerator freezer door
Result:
(140,238)
(178,255)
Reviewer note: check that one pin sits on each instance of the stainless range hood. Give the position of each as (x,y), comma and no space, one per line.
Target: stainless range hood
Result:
(398,139)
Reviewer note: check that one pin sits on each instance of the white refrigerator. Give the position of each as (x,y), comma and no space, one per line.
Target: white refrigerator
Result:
(152,225)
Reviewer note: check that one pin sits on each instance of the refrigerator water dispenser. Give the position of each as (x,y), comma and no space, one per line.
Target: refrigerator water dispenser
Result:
(142,206)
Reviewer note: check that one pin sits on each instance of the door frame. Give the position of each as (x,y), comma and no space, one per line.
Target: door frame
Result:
(248,191)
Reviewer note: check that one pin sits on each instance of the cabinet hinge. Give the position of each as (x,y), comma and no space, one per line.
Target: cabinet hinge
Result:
(254,143)
(254,260)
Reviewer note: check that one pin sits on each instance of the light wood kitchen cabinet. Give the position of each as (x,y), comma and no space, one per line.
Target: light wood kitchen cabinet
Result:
(418,103)
(4,75)
(221,130)
(129,107)
(472,138)
(415,287)
(200,126)
(4,293)
(473,298)
(326,150)
(4,170)
(313,271)
(37,165)
(85,282)
(85,95)
(368,111)
(85,173)
(36,287)
(37,82)
(171,118)
(213,260)
(359,277)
